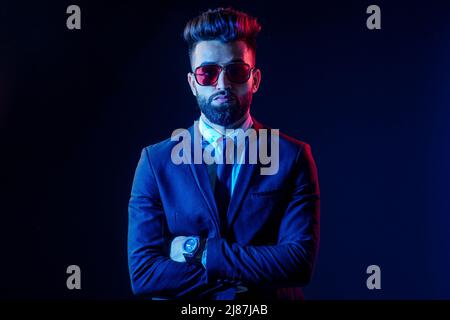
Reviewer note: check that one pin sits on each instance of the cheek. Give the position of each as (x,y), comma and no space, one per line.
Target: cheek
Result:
(244,90)
(204,92)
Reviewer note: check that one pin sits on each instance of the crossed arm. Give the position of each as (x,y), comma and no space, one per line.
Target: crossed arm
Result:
(288,263)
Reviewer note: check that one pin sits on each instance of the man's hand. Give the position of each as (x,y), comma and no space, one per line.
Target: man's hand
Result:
(176,254)
(176,249)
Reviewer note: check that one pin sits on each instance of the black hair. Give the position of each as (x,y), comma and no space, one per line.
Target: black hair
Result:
(224,24)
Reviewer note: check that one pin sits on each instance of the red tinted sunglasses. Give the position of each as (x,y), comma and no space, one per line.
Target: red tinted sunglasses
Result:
(208,75)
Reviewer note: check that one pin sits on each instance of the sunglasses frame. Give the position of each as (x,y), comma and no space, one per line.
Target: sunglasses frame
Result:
(222,68)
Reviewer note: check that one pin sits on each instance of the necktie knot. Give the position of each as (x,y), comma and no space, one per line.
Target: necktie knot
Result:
(222,149)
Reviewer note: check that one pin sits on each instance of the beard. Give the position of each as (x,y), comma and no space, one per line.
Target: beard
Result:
(225,113)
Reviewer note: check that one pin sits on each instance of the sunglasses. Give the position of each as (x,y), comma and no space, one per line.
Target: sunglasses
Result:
(208,75)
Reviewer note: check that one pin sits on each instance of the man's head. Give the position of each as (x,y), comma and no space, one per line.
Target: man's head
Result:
(222,51)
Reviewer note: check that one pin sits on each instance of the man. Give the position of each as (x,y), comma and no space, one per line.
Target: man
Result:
(223,230)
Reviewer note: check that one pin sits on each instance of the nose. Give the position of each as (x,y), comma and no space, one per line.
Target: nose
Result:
(223,82)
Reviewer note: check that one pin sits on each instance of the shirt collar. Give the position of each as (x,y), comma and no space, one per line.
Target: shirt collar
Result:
(212,132)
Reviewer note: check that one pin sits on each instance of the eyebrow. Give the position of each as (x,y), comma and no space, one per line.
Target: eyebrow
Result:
(211,62)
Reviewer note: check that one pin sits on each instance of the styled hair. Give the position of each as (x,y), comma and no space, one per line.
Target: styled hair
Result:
(223,24)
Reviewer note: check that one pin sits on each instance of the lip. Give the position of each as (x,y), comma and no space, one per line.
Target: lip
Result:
(222,98)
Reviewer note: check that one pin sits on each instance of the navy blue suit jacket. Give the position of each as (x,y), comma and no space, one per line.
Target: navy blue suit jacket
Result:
(270,242)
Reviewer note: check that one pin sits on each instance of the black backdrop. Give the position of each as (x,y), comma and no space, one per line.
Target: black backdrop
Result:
(77,107)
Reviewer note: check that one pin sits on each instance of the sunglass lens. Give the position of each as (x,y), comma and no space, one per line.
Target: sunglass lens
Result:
(207,75)
(238,72)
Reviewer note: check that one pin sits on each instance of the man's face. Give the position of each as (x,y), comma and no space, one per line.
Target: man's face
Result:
(224,102)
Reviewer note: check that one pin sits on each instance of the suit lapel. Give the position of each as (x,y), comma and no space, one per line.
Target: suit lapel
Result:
(201,176)
(243,182)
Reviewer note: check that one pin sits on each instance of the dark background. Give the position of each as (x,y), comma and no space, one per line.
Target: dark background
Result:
(77,106)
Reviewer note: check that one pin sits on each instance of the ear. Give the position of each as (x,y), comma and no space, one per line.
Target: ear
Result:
(256,74)
(191,81)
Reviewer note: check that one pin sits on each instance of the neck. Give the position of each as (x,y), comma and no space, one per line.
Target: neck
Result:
(221,129)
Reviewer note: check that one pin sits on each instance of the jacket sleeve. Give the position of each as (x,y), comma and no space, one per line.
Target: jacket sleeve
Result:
(289,262)
(152,272)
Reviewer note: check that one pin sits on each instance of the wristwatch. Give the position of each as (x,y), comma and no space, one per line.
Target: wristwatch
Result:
(193,249)
(190,246)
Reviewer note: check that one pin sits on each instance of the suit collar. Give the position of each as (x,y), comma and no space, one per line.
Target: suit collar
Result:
(201,177)
(243,182)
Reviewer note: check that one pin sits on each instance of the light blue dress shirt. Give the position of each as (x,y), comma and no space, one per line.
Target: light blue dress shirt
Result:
(213,134)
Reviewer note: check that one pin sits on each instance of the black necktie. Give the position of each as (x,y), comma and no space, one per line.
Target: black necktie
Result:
(222,188)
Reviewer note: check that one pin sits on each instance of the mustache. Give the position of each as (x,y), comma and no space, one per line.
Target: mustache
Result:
(225,93)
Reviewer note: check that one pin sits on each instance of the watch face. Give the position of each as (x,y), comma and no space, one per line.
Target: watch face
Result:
(191,245)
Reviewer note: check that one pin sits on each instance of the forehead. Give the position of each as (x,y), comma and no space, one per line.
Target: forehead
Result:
(215,51)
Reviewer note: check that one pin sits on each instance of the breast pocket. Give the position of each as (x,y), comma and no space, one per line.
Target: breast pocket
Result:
(259,219)
(267,193)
